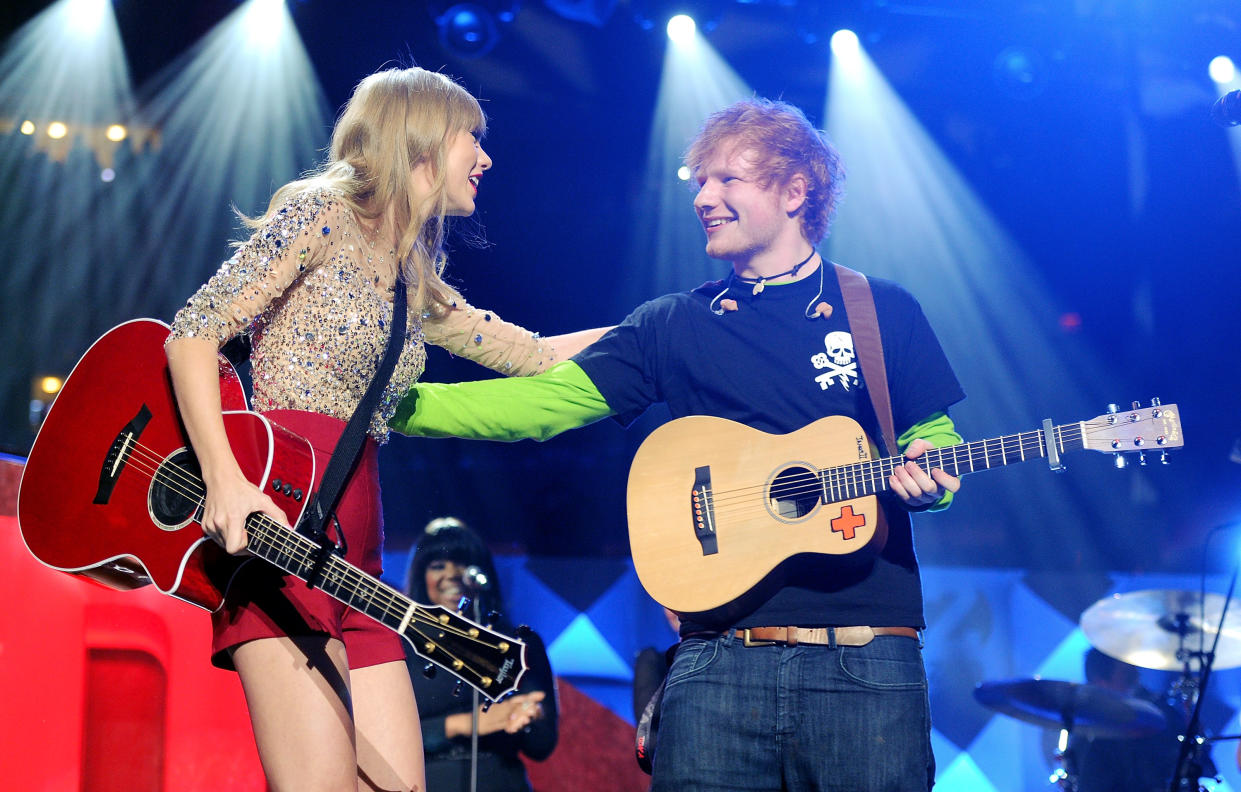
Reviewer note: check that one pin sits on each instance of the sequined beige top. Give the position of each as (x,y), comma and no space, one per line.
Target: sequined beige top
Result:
(309,290)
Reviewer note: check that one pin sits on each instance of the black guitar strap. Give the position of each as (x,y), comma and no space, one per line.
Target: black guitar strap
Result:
(349,446)
(864,325)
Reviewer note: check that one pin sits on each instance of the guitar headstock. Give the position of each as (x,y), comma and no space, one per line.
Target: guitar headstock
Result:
(483,658)
(1156,427)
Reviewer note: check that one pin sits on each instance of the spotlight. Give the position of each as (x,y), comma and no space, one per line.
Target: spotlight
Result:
(1222,69)
(27,127)
(471,30)
(57,130)
(86,16)
(844,44)
(116,133)
(264,22)
(681,29)
(107,175)
(683,173)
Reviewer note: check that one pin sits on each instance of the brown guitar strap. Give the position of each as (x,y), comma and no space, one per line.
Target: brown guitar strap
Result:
(867,343)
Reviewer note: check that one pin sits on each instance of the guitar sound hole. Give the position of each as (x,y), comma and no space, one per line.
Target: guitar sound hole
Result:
(176,491)
(794,493)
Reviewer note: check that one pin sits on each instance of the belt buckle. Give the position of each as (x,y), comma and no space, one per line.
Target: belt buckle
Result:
(746,640)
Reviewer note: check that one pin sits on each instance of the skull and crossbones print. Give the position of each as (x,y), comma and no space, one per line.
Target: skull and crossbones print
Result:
(839,359)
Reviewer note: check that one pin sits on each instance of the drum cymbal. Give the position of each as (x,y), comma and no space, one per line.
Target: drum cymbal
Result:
(1083,709)
(1149,628)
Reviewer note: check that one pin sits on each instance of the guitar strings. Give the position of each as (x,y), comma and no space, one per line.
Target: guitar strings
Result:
(392,604)
(871,476)
(340,573)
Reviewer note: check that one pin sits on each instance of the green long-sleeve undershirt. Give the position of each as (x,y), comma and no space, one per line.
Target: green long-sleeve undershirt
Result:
(543,406)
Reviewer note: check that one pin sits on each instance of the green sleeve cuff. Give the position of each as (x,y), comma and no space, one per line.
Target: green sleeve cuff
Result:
(510,409)
(939,431)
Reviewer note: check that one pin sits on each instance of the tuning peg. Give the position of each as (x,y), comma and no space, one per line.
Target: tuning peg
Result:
(463,604)
(1155,402)
(523,631)
(486,706)
(1163,457)
(456,689)
(429,670)
(493,616)
(1121,462)
(1142,458)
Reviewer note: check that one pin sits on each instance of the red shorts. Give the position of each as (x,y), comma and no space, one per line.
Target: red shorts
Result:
(263,602)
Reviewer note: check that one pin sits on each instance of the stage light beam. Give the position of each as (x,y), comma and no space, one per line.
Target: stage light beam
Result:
(909,215)
(667,249)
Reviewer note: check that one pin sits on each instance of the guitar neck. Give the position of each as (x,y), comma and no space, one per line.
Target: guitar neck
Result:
(297,554)
(487,660)
(870,478)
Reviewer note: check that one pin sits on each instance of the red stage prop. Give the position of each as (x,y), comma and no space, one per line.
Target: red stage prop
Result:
(107,690)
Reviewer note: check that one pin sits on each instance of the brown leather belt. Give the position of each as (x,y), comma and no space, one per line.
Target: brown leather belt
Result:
(819,636)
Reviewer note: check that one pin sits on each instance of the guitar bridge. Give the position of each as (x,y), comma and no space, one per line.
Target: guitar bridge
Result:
(702,509)
(118,454)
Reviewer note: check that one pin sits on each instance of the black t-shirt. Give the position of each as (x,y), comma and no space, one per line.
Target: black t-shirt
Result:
(767,366)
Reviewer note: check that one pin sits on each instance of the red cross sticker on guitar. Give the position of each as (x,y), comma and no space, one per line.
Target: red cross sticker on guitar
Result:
(847,521)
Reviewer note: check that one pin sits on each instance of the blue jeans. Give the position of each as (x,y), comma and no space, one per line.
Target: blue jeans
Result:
(849,718)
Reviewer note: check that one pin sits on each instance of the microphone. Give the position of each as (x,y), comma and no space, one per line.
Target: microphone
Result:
(1227,109)
(475,579)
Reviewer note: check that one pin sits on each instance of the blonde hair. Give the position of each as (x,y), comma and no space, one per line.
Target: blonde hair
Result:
(783,143)
(396,120)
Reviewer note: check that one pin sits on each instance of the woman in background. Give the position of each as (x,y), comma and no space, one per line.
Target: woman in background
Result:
(525,723)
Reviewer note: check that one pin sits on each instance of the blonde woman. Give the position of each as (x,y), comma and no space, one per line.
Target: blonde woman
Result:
(329,695)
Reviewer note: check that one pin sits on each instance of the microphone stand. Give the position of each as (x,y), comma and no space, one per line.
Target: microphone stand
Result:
(475,591)
(1188,765)
(474,715)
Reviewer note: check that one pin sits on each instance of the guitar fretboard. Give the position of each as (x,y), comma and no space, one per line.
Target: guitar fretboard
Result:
(846,482)
(296,554)
(487,660)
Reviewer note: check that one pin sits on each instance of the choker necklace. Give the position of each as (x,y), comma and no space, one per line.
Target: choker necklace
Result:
(761,283)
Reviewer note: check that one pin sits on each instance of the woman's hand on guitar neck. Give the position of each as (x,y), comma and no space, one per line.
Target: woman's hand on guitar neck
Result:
(916,487)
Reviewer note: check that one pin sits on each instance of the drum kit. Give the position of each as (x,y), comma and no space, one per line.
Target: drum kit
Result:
(1155,629)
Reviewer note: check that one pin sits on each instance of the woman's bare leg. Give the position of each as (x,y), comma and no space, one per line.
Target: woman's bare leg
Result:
(389,735)
(297,691)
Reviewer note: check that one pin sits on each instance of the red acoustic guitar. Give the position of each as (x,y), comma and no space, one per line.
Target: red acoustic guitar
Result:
(112,492)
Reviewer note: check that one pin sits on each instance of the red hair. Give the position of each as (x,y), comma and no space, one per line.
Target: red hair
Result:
(782,143)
